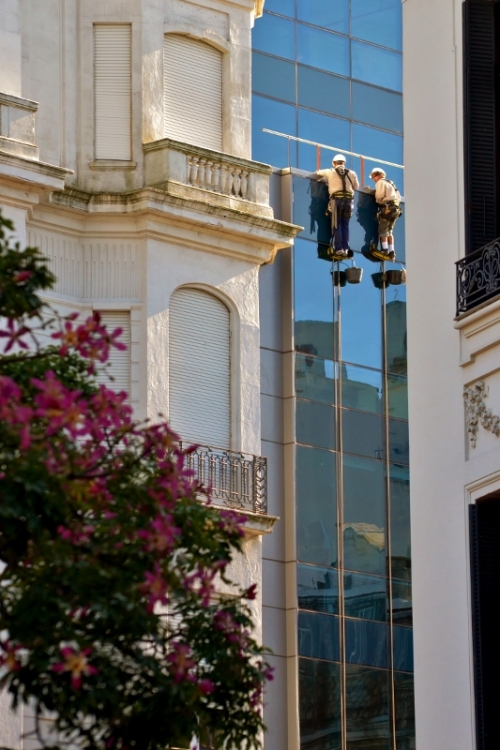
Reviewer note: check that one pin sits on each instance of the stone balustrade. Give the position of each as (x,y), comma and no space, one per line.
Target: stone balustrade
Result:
(17,126)
(208,176)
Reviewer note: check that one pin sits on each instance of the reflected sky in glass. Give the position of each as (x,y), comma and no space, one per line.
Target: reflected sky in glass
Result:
(275,35)
(319,636)
(381,67)
(333,16)
(285,7)
(268,113)
(315,492)
(377,21)
(273,77)
(324,50)
(366,643)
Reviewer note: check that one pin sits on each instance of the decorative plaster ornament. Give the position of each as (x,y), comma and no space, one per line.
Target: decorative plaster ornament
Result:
(477,412)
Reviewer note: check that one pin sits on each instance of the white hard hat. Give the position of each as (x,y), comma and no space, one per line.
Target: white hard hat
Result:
(338,157)
(377,170)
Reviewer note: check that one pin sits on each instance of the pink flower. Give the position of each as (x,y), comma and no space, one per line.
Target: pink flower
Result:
(155,585)
(55,402)
(163,534)
(181,663)
(9,659)
(76,663)
(206,686)
(22,276)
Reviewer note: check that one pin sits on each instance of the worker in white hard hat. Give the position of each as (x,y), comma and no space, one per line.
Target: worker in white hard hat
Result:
(388,200)
(342,183)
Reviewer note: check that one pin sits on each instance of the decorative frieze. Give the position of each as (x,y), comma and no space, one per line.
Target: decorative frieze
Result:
(477,413)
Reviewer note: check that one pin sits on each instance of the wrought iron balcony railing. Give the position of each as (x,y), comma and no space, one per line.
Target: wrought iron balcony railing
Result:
(236,480)
(478,277)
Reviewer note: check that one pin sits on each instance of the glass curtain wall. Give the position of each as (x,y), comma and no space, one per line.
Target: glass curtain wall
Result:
(330,71)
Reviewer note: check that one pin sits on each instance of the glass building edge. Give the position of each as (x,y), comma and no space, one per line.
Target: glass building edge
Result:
(373,385)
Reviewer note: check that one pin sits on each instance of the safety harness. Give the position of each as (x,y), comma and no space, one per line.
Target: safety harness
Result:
(344,193)
(390,210)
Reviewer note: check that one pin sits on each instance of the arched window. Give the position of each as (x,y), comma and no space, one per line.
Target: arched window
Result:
(200,368)
(192,86)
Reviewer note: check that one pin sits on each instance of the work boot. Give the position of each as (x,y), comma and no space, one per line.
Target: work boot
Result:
(392,254)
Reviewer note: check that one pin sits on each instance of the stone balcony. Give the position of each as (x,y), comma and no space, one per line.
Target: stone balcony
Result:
(206,176)
(17,126)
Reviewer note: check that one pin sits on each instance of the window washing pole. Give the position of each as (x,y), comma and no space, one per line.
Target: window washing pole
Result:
(319,146)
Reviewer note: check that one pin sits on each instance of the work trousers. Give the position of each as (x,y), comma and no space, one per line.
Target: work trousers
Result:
(341,232)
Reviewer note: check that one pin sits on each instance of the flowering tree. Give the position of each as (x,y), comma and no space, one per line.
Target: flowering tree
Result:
(109,619)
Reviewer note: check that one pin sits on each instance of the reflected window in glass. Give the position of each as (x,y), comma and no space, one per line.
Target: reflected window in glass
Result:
(404,699)
(377,21)
(378,66)
(317,589)
(362,388)
(366,643)
(274,35)
(399,441)
(273,77)
(400,521)
(363,433)
(322,49)
(319,636)
(315,491)
(402,607)
(364,515)
(323,91)
(319,707)
(315,424)
(324,13)
(398,396)
(314,378)
(313,301)
(403,649)
(396,330)
(267,113)
(377,107)
(365,596)
(367,707)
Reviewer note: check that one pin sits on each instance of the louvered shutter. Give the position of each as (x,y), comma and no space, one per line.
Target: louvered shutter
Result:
(119,361)
(485,589)
(480,123)
(192,76)
(199,383)
(112,91)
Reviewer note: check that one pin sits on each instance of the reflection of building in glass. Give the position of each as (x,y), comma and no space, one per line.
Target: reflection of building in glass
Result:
(335,411)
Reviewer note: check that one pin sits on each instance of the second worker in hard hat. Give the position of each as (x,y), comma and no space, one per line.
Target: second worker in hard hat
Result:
(342,183)
(388,198)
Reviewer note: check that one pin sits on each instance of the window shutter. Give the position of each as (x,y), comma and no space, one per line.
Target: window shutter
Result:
(485,584)
(192,76)
(199,382)
(119,361)
(112,91)
(480,118)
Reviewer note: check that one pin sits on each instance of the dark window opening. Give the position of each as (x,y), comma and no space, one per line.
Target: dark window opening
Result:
(485,572)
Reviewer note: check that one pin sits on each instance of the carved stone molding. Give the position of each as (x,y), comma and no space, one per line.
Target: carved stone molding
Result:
(477,412)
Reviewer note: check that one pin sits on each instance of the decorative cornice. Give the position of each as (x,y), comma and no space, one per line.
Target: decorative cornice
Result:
(477,413)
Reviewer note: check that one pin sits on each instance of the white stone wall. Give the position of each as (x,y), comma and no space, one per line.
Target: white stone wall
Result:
(10,47)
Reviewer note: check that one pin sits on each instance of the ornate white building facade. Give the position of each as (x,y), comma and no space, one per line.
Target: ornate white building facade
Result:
(125,156)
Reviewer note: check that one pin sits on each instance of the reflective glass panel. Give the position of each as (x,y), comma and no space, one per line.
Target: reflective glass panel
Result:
(364,515)
(273,77)
(400,521)
(275,35)
(362,319)
(314,378)
(377,21)
(363,433)
(378,66)
(398,396)
(313,301)
(315,424)
(403,649)
(310,201)
(399,441)
(321,129)
(317,589)
(367,706)
(405,711)
(365,596)
(362,388)
(267,113)
(324,13)
(402,603)
(321,49)
(323,91)
(396,330)
(319,636)
(316,506)
(366,643)
(378,143)
(377,107)
(319,694)
(285,7)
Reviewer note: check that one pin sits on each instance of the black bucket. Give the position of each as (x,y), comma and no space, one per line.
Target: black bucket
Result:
(339,278)
(354,275)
